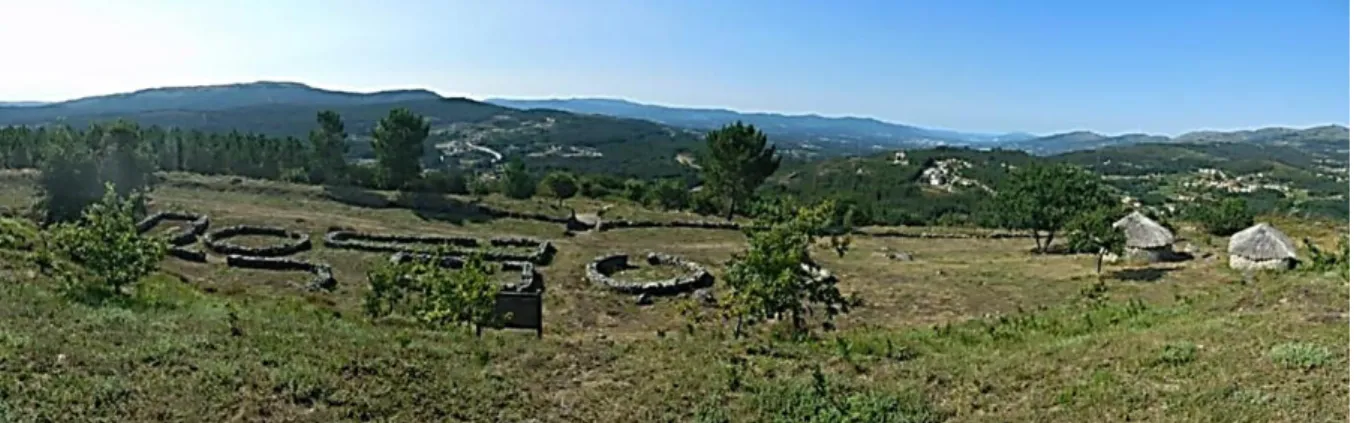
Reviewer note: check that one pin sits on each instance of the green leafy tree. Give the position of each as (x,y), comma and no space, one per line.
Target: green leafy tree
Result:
(431,294)
(773,278)
(106,243)
(397,142)
(77,166)
(636,190)
(669,194)
(444,181)
(1042,199)
(1094,232)
(1224,217)
(328,148)
(738,160)
(516,182)
(559,185)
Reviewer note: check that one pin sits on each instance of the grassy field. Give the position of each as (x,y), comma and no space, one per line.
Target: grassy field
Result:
(969,330)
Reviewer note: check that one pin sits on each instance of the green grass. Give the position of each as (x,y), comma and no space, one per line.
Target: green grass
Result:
(971,330)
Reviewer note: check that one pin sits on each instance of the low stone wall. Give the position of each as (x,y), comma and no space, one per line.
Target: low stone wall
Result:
(599,271)
(459,246)
(189,255)
(324,275)
(297,242)
(619,224)
(930,235)
(698,224)
(1247,264)
(529,280)
(197,227)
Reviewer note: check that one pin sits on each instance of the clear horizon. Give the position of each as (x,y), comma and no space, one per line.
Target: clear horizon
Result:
(990,67)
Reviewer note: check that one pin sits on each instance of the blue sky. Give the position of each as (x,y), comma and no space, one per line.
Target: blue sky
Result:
(1038,66)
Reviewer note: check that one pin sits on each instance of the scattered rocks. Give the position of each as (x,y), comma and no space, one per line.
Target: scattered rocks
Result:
(895,255)
(297,242)
(643,299)
(599,271)
(705,297)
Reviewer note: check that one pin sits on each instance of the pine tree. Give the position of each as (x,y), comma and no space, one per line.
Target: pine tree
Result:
(738,161)
(398,144)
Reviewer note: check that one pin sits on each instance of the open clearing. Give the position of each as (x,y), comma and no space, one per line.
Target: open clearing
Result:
(970,330)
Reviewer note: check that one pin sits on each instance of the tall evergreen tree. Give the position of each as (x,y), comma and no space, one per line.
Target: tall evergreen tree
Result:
(737,162)
(398,144)
(327,148)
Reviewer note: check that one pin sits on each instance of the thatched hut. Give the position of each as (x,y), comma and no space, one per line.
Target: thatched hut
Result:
(1146,239)
(1261,247)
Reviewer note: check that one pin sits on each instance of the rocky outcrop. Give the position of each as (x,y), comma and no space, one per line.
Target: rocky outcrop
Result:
(528,280)
(599,271)
(296,241)
(324,275)
(458,246)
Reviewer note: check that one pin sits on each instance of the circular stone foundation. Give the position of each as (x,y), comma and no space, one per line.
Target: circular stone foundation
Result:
(295,241)
(601,270)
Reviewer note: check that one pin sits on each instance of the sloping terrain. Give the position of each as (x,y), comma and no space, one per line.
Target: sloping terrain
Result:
(969,330)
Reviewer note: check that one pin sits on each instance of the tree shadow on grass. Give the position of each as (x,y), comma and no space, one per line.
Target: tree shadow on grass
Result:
(359,197)
(1142,274)
(439,207)
(426,205)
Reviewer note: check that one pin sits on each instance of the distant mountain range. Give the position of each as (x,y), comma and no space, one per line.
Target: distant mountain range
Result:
(21,103)
(872,134)
(811,129)
(288,108)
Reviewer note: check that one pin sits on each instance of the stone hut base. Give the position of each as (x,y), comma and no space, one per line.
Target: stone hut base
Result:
(1148,255)
(1242,263)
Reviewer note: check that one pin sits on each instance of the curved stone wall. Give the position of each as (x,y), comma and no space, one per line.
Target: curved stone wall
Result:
(197,226)
(460,246)
(528,281)
(599,271)
(297,242)
(324,275)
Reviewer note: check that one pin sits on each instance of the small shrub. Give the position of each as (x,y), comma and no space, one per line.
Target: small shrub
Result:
(17,234)
(1321,261)
(431,294)
(1300,355)
(820,400)
(1177,354)
(107,245)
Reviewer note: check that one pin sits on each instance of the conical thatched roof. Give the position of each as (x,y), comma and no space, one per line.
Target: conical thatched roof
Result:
(1262,242)
(1142,232)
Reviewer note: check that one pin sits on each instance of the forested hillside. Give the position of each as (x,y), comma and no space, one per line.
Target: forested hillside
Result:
(624,147)
(950,185)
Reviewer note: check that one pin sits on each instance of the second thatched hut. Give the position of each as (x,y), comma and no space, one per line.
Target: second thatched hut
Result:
(1261,247)
(1146,240)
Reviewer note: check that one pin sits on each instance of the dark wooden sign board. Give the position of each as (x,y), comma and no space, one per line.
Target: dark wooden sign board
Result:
(522,309)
